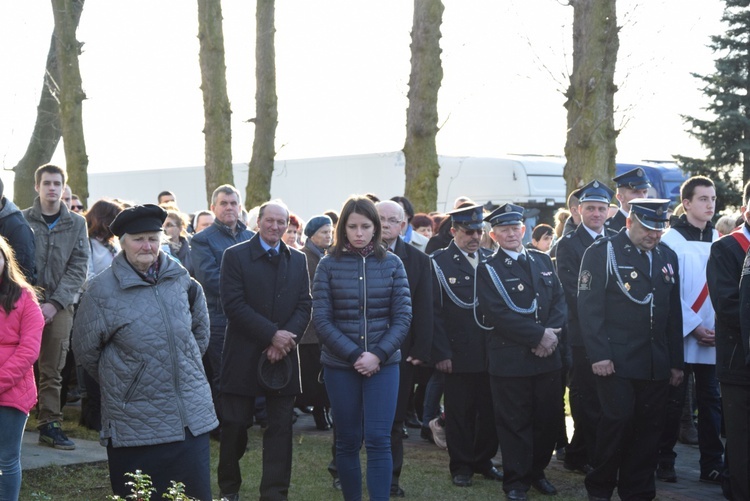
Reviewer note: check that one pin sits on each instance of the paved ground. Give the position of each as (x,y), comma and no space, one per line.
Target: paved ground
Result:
(687,488)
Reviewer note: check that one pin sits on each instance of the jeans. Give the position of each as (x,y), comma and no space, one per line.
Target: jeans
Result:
(432,396)
(363,407)
(709,417)
(12,423)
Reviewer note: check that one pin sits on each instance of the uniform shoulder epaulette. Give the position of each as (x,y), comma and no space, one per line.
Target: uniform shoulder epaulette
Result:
(536,251)
(437,253)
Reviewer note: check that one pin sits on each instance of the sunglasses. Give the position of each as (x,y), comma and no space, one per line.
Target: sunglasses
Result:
(76,207)
(472,232)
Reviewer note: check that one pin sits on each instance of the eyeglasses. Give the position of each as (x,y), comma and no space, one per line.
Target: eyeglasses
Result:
(472,232)
(390,220)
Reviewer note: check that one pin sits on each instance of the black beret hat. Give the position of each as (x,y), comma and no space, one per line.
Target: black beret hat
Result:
(316,223)
(138,219)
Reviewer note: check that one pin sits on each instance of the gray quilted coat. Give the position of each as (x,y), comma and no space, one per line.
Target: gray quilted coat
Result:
(361,304)
(144,346)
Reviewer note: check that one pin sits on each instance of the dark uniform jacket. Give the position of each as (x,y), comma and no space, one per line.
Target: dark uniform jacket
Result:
(17,232)
(457,336)
(570,251)
(614,327)
(616,222)
(418,342)
(723,273)
(516,334)
(261,295)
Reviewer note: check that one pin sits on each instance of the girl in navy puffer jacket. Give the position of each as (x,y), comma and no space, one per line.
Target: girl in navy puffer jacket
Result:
(362,311)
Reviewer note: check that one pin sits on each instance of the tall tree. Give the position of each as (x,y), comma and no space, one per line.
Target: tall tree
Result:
(266,110)
(420,150)
(590,147)
(727,136)
(71,95)
(47,130)
(216,109)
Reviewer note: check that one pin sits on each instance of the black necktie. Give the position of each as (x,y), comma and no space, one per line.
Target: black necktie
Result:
(272,252)
(524,263)
(646,261)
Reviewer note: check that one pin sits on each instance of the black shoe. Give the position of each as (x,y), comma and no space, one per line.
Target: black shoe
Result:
(404,432)
(426,434)
(560,454)
(598,498)
(337,484)
(712,477)
(516,495)
(397,492)
(544,486)
(493,474)
(230,497)
(665,472)
(462,480)
(584,469)
(51,434)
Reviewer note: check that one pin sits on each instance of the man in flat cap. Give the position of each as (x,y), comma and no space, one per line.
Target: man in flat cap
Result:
(630,185)
(594,201)
(460,350)
(631,322)
(265,294)
(62,254)
(522,298)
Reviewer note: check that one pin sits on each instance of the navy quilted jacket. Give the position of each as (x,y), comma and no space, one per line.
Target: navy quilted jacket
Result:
(144,345)
(361,304)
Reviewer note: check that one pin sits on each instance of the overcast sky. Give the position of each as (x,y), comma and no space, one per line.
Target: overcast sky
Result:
(342,72)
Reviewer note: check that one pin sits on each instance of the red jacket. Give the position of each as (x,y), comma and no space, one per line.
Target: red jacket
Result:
(20,337)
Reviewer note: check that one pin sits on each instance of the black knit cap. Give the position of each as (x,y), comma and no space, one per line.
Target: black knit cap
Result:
(138,219)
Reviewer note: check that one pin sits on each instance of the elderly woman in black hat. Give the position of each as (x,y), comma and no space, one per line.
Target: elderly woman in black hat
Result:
(141,330)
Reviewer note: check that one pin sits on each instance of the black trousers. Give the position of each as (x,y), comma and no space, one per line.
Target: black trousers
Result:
(627,441)
(277,444)
(405,389)
(584,408)
(469,423)
(187,461)
(525,415)
(736,407)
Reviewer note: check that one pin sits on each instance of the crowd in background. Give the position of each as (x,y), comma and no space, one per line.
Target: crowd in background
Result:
(169,337)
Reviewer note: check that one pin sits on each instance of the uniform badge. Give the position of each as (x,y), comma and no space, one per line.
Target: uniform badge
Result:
(508,262)
(584,281)
(633,275)
(627,286)
(452,280)
(520,287)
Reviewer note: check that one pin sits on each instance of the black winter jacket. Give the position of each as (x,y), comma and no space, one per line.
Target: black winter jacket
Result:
(361,304)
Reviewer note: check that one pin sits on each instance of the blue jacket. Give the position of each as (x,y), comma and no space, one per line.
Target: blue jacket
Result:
(206,251)
(361,304)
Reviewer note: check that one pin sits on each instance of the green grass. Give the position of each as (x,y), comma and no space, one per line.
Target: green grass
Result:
(425,473)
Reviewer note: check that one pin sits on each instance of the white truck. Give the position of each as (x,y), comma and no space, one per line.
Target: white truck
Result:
(313,185)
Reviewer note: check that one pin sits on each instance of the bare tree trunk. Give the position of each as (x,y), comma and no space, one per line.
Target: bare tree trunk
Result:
(216,109)
(71,95)
(420,150)
(266,111)
(590,148)
(47,130)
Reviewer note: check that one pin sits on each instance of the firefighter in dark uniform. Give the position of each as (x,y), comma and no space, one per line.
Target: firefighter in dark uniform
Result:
(584,402)
(631,319)
(630,185)
(521,297)
(460,349)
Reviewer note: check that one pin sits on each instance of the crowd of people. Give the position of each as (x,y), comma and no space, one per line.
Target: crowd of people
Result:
(376,319)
